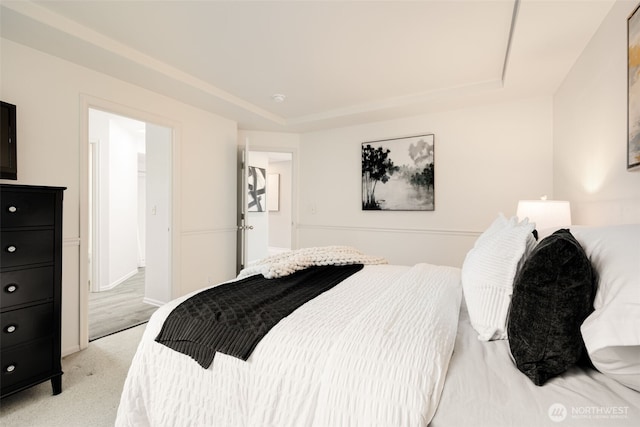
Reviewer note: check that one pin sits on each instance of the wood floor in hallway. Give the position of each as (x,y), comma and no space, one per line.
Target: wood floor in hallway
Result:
(119,308)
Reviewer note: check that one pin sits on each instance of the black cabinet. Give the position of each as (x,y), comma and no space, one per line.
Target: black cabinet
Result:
(30,286)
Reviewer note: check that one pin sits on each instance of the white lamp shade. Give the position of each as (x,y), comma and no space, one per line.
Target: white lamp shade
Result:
(545,213)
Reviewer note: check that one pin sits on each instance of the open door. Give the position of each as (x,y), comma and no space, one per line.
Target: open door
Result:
(241,256)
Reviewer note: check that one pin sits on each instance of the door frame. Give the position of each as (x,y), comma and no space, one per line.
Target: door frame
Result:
(94,214)
(88,102)
(241,208)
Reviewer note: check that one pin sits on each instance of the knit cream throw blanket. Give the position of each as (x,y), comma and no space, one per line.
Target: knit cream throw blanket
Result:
(285,263)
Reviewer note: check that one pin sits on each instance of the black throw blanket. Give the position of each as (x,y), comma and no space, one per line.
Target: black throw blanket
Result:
(232,318)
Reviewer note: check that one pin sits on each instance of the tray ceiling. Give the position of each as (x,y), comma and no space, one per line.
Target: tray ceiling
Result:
(337,62)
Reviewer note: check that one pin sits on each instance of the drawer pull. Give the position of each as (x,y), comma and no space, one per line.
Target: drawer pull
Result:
(11,249)
(12,209)
(10,329)
(10,368)
(11,288)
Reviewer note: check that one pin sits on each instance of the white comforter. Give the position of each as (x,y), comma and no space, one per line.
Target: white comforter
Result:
(373,350)
(484,388)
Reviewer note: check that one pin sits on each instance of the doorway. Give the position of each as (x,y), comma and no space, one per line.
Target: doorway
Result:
(129,221)
(269,216)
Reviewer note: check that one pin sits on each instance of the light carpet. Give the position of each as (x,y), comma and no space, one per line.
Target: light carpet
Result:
(91,387)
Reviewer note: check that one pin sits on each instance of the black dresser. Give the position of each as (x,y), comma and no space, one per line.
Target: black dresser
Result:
(31,286)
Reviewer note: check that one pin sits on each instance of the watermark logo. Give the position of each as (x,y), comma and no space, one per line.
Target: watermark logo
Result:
(557,412)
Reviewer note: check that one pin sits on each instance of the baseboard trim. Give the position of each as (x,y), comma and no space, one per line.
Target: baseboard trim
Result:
(70,350)
(152,301)
(120,280)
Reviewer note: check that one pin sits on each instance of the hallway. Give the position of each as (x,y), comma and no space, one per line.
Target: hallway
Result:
(120,308)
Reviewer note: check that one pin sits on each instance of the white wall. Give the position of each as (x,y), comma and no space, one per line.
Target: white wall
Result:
(142,208)
(280,221)
(48,93)
(270,141)
(486,159)
(117,165)
(590,130)
(158,215)
(99,130)
(122,205)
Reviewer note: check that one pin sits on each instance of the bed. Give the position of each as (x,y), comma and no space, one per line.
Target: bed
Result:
(399,345)
(484,390)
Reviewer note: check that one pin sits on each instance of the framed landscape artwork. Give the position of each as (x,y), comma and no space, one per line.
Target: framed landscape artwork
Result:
(398,174)
(633,90)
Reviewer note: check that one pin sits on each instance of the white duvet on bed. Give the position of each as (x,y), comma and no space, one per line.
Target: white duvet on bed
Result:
(374,350)
(484,388)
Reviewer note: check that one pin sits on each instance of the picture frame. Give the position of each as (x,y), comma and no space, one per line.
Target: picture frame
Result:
(633,90)
(399,174)
(257,188)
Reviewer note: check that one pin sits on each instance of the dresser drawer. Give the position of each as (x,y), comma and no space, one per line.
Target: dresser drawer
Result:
(23,286)
(26,324)
(27,209)
(24,363)
(26,247)
(30,286)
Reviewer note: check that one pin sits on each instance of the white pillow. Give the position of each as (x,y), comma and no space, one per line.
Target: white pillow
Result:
(488,273)
(612,332)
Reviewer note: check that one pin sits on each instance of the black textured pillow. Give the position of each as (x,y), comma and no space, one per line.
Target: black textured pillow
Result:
(552,295)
